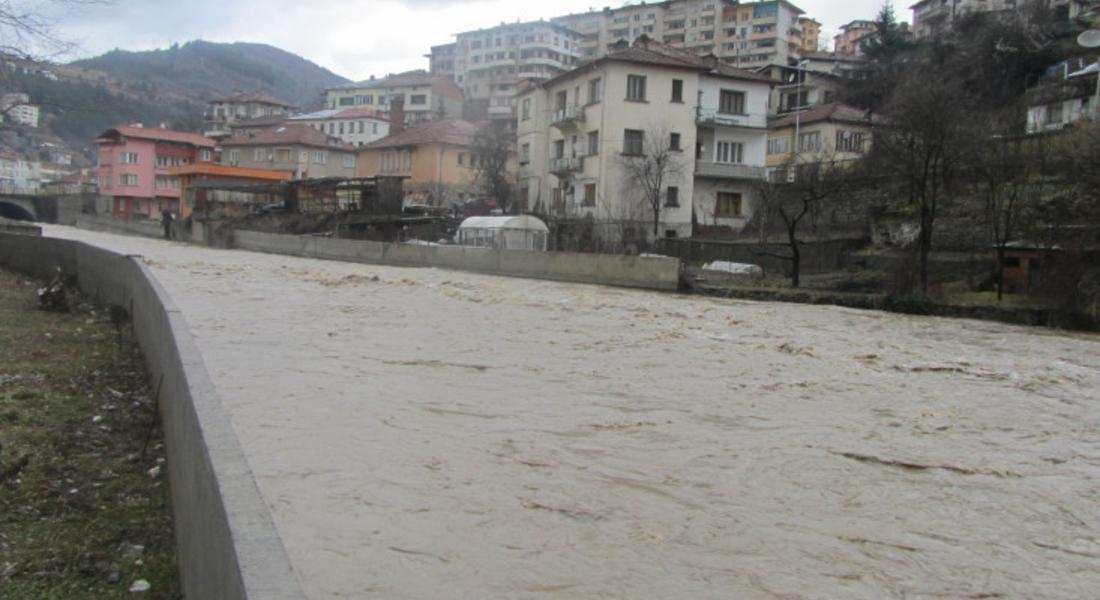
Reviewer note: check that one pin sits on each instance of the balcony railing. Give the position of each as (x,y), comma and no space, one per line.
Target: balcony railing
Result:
(728,170)
(711,117)
(567,116)
(566,165)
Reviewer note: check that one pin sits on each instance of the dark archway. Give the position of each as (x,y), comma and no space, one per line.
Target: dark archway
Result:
(15,212)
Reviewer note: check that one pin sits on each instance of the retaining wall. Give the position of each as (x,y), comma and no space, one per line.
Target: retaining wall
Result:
(228,547)
(142,227)
(659,273)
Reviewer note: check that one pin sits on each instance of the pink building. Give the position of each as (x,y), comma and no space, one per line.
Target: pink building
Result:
(134,163)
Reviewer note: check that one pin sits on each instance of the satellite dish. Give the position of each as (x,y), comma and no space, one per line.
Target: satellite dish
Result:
(1090,38)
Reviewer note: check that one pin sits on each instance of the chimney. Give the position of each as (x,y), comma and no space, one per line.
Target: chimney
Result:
(397,114)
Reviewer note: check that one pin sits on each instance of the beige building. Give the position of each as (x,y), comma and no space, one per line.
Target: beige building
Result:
(425,96)
(435,156)
(356,126)
(577,132)
(747,35)
(298,149)
(811,34)
(825,132)
(224,112)
(848,40)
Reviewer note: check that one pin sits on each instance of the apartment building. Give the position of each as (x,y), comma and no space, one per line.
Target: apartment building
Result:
(811,34)
(425,96)
(18,173)
(848,40)
(133,165)
(356,126)
(436,158)
(578,133)
(1068,93)
(825,132)
(489,63)
(743,34)
(17,108)
(223,112)
(300,150)
(819,78)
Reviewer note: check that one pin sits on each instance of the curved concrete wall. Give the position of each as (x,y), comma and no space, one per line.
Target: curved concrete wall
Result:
(227,543)
(656,273)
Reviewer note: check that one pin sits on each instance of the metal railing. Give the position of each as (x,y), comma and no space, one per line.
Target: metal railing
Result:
(711,116)
(566,165)
(568,115)
(728,170)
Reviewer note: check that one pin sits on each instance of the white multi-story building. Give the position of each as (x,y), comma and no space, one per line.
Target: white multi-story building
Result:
(488,64)
(748,34)
(225,111)
(17,108)
(425,96)
(356,126)
(578,132)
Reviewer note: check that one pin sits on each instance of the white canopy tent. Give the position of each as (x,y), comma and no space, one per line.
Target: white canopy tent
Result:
(520,232)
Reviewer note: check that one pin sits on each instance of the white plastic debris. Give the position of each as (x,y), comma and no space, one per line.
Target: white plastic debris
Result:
(733,268)
(140,586)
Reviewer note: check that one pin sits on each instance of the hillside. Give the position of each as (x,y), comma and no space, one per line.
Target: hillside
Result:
(169,86)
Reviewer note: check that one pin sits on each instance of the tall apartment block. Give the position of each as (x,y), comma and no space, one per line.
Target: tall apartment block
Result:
(747,35)
(487,64)
(811,34)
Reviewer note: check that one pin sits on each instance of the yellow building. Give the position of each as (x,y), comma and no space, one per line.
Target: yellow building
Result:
(435,156)
(825,132)
(811,34)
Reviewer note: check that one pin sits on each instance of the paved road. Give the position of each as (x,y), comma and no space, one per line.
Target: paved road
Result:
(435,434)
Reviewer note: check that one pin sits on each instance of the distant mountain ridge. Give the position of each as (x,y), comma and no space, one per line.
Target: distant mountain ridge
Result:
(170,86)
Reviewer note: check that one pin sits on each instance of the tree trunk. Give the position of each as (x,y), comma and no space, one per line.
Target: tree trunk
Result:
(925,245)
(796,256)
(1000,271)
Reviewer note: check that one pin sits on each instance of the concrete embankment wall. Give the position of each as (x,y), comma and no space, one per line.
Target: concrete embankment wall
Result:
(143,227)
(657,273)
(228,546)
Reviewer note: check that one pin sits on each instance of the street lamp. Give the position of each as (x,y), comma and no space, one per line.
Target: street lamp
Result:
(800,74)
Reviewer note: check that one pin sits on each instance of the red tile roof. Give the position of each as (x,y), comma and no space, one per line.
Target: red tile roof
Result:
(361,113)
(835,111)
(289,134)
(452,132)
(155,134)
(265,121)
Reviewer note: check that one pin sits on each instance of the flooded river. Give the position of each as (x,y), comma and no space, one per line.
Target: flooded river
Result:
(421,433)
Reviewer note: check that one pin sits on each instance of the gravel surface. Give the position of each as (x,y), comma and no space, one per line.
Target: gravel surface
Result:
(421,433)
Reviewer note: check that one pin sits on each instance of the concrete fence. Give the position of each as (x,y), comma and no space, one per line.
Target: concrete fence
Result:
(228,546)
(659,273)
(143,227)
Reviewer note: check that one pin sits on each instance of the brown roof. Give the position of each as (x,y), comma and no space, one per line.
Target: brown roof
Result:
(289,134)
(229,171)
(650,52)
(452,132)
(258,97)
(361,113)
(265,121)
(156,134)
(834,111)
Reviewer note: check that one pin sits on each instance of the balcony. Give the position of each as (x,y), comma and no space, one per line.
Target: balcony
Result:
(727,170)
(710,117)
(502,111)
(565,166)
(567,117)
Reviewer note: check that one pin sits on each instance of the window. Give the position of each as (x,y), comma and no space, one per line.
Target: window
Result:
(205,155)
(729,152)
(809,142)
(362,126)
(635,88)
(728,205)
(590,194)
(258,154)
(320,157)
(127,179)
(778,145)
(674,142)
(234,156)
(525,154)
(672,196)
(374,127)
(849,141)
(560,100)
(282,155)
(677,90)
(595,91)
(731,103)
(341,128)
(128,158)
(461,158)
(349,161)
(1054,113)
(418,99)
(633,142)
(525,110)
(559,149)
(593,143)
(347,101)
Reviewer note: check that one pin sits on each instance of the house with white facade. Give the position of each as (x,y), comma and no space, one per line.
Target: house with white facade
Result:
(356,126)
(424,96)
(578,132)
(17,108)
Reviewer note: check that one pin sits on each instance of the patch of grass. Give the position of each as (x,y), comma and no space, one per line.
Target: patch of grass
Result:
(75,411)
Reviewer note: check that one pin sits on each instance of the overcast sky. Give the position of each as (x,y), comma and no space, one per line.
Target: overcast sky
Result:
(353,38)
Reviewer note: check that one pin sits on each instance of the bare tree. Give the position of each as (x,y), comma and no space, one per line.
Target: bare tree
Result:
(492,153)
(649,168)
(794,200)
(28,29)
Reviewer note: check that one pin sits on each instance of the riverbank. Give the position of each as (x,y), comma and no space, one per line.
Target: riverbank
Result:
(84,507)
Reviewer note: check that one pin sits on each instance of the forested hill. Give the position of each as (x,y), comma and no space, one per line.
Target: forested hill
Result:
(170,86)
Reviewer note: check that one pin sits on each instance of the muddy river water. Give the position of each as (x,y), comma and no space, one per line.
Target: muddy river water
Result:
(421,433)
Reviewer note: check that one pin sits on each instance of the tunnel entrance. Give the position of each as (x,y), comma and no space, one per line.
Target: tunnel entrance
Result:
(15,212)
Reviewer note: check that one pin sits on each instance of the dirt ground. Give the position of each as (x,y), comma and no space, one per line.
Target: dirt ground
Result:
(81,515)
